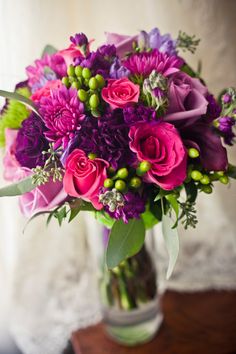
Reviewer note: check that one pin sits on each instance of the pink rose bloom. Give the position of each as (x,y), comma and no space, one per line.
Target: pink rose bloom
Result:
(45,91)
(187,102)
(160,144)
(70,53)
(43,198)
(123,43)
(119,93)
(84,177)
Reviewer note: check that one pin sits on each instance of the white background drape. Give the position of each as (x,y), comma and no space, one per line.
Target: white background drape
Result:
(39,268)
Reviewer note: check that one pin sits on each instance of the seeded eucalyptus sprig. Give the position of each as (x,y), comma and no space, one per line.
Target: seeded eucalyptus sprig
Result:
(187,43)
(188,214)
(52,168)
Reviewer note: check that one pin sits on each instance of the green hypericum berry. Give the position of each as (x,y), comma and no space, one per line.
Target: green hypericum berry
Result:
(224,179)
(120,185)
(139,172)
(205,179)
(122,173)
(78,71)
(207,189)
(101,81)
(65,81)
(193,153)
(72,79)
(196,175)
(92,156)
(94,101)
(71,70)
(83,95)
(145,166)
(75,85)
(108,183)
(220,173)
(86,73)
(93,84)
(135,182)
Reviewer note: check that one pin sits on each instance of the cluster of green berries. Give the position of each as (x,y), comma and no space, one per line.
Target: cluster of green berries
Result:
(204,179)
(123,179)
(88,86)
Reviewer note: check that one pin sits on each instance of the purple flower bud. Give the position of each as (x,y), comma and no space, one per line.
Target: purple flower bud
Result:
(226,127)
(79,39)
(117,70)
(226,98)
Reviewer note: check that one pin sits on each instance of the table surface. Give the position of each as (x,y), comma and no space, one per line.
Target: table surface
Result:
(196,323)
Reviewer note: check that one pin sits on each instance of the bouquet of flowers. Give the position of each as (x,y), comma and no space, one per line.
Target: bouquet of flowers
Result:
(129,131)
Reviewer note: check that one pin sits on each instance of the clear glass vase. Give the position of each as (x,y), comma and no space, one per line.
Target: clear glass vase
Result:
(129,297)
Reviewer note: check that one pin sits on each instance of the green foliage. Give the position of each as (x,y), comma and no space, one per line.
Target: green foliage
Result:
(18,188)
(125,241)
(14,114)
(149,218)
(104,219)
(49,49)
(187,43)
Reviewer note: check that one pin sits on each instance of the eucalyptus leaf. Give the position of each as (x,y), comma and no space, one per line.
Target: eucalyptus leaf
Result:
(175,206)
(19,188)
(16,96)
(49,49)
(125,241)
(171,239)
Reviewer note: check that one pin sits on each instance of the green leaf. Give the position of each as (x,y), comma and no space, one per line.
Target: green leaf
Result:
(19,188)
(60,214)
(175,206)
(16,96)
(74,212)
(49,49)
(104,219)
(125,241)
(231,171)
(171,241)
(191,191)
(149,219)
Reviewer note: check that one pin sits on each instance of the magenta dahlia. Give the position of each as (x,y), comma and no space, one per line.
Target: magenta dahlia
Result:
(62,114)
(143,63)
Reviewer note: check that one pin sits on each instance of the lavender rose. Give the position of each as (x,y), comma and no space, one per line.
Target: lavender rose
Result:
(187,100)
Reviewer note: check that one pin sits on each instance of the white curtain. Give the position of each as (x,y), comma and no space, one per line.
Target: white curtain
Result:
(41,270)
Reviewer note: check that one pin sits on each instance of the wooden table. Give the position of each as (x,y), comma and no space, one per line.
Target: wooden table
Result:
(197,323)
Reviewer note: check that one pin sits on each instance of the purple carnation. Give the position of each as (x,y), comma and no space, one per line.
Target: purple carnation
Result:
(134,206)
(30,142)
(226,127)
(139,113)
(144,63)
(62,114)
(153,39)
(79,39)
(50,67)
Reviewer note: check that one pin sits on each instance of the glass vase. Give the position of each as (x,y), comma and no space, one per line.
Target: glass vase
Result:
(130,304)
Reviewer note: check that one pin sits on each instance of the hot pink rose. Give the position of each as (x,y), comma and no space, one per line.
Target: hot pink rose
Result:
(160,144)
(46,90)
(84,177)
(119,93)
(43,198)
(187,100)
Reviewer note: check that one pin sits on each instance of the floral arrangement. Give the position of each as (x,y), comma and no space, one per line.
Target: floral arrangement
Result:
(129,131)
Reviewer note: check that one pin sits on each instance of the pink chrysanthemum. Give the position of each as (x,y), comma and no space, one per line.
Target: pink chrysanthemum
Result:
(62,114)
(143,63)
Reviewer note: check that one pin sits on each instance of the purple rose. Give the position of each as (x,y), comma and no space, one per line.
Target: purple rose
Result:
(123,43)
(187,100)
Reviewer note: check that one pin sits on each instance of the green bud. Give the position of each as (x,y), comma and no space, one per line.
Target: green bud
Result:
(139,172)
(108,183)
(75,85)
(94,101)
(193,153)
(92,156)
(224,179)
(83,95)
(100,80)
(120,185)
(122,173)
(207,189)
(86,73)
(196,175)
(214,176)
(70,70)
(65,81)
(78,70)
(135,182)
(145,166)
(72,79)
(205,179)
(220,173)
(93,84)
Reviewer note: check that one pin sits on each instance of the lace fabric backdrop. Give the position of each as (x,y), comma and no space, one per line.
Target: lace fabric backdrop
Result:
(49,274)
